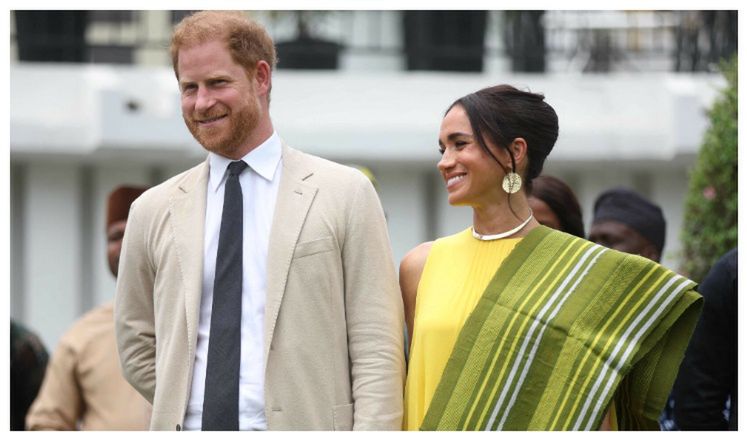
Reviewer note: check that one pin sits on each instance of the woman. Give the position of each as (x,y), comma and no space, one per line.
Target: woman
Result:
(516,326)
(554,205)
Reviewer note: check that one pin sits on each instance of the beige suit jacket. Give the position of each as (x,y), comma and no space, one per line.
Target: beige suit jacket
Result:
(333,336)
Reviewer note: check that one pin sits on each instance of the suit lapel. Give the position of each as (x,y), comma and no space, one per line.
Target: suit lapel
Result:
(293,202)
(187,206)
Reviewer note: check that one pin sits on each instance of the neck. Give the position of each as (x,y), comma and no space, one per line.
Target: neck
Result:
(259,135)
(498,218)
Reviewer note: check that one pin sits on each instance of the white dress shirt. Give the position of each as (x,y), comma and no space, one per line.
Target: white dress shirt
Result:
(259,187)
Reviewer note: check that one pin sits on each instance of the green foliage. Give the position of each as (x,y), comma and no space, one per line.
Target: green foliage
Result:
(710,224)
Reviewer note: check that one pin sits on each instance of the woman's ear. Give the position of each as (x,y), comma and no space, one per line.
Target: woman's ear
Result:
(518,148)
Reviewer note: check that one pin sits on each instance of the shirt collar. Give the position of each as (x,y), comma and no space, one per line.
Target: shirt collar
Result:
(263,160)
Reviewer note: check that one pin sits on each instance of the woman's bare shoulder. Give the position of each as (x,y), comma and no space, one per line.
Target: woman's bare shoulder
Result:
(414,260)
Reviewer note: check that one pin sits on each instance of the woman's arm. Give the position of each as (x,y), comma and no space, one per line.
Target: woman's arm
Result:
(410,270)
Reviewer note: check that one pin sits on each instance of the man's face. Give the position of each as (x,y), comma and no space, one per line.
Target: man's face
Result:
(114,235)
(219,102)
(620,237)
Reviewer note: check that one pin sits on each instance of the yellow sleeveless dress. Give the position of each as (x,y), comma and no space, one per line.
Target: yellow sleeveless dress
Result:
(456,272)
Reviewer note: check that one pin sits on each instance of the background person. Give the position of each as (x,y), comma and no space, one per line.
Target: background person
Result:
(84,388)
(28,362)
(705,393)
(554,205)
(626,221)
(256,290)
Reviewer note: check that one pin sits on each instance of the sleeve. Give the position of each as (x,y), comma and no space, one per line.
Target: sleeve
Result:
(374,314)
(59,403)
(709,369)
(133,307)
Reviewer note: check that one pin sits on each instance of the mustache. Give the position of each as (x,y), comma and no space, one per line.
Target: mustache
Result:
(210,114)
(206,116)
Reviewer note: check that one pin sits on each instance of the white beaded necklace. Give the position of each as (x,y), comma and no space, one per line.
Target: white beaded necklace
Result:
(487,237)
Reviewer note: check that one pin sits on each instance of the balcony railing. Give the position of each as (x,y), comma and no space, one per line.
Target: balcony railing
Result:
(529,41)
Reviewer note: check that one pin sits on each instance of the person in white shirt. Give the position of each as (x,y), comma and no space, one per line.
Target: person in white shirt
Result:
(257,290)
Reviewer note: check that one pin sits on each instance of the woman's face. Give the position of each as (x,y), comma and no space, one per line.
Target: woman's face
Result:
(471,176)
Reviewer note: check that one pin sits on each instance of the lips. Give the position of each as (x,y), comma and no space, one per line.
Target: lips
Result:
(454,180)
(208,121)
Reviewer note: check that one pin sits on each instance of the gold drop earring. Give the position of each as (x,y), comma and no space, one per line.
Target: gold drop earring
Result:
(511,182)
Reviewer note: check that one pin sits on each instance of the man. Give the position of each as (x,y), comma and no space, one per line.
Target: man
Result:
(257,290)
(83,387)
(625,221)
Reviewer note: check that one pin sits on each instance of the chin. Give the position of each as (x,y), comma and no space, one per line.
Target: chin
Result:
(456,200)
(216,144)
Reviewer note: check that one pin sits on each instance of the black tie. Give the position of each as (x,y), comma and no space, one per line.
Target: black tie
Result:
(220,408)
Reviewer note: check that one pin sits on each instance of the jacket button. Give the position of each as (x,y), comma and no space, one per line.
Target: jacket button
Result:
(178,427)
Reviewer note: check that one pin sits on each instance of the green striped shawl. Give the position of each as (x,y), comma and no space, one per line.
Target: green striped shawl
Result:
(564,327)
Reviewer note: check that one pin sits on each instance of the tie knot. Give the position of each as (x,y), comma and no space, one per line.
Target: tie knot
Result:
(236,167)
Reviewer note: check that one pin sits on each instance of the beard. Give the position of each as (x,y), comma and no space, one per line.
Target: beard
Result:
(229,137)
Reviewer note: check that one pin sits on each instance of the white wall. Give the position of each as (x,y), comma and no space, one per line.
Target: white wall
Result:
(669,191)
(401,191)
(52,256)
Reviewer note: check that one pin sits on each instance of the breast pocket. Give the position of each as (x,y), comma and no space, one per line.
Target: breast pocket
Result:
(315,246)
(314,285)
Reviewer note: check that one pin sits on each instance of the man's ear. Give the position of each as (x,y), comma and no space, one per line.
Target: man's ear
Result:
(262,78)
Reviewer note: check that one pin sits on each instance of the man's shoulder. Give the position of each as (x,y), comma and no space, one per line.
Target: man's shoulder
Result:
(163,191)
(103,313)
(729,263)
(319,170)
(90,327)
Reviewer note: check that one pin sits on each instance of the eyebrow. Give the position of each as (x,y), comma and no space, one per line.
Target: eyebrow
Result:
(215,77)
(455,135)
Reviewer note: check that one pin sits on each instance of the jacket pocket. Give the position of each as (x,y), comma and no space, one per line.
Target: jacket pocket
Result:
(314,247)
(342,417)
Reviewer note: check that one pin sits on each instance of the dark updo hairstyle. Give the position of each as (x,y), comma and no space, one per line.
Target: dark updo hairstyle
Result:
(562,201)
(502,113)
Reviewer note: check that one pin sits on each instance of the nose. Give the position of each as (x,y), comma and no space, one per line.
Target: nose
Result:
(204,100)
(446,161)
